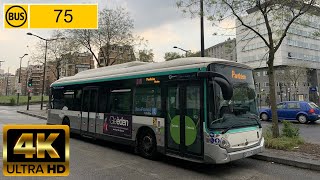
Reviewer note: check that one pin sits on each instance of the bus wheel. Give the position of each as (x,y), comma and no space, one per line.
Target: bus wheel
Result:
(66,121)
(147,145)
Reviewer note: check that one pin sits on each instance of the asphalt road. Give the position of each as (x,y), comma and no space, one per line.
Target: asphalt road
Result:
(105,160)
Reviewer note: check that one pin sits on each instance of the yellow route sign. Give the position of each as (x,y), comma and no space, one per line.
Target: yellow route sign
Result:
(16,16)
(51,16)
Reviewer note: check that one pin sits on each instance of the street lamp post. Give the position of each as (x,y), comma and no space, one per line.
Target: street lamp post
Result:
(27,77)
(186,51)
(19,81)
(45,62)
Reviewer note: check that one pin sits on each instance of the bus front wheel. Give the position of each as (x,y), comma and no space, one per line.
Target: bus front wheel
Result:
(66,121)
(147,145)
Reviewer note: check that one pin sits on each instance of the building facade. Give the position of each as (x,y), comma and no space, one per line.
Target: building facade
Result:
(117,55)
(225,50)
(298,49)
(23,80)
(7,84)
(71,64)
(36,74)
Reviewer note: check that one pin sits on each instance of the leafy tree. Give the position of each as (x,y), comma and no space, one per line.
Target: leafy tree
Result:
(172,55)
(276,17)
(145,55)
(194,54)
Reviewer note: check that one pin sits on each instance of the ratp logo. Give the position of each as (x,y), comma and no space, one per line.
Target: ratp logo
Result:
(16,16)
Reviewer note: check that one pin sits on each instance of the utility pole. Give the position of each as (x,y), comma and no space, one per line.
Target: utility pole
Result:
(201,28)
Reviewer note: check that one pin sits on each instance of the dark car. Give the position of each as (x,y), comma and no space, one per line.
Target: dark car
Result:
(294,110)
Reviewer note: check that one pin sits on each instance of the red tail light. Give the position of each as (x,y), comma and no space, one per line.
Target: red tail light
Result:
(311,111)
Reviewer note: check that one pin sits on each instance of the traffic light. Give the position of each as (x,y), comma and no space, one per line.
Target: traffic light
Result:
(30,82)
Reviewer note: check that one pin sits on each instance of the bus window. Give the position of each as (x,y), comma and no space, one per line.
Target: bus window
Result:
(68,99)
(147,101)
(121,101)
(57,99)
(77,100)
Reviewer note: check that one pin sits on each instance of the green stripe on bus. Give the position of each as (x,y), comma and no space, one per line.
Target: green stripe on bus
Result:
(128,77)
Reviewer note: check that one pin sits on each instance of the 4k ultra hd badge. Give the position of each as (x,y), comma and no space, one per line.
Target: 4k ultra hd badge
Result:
(36,150)
(16,16)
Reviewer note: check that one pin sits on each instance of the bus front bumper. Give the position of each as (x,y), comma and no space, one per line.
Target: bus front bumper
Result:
(216,155)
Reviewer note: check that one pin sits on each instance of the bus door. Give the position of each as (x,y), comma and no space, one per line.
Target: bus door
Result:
(183,119)
(89,111)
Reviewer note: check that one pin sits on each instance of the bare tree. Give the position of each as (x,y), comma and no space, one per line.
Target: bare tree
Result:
(276,15)
(290,76)
(55,50)
(115,29)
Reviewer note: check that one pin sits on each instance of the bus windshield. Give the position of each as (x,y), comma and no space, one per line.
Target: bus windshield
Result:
(241,110)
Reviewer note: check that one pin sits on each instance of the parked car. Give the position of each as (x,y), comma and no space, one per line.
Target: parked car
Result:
(294,110)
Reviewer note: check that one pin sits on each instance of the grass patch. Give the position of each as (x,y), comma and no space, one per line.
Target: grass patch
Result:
(12,100)
(288,139)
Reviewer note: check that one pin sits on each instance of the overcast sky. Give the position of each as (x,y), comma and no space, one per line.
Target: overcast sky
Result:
(158,21)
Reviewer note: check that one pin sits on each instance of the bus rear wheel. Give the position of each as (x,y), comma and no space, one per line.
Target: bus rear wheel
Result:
(147,146)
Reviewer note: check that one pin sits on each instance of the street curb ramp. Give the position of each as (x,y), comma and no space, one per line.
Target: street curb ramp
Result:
(286,161)
(33,115)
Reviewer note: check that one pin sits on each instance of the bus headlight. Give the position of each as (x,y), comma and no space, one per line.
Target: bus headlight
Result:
(224,143)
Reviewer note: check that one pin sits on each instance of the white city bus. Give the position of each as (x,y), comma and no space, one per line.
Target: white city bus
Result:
(200,109)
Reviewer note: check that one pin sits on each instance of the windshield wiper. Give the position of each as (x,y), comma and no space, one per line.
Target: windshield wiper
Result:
(230,127)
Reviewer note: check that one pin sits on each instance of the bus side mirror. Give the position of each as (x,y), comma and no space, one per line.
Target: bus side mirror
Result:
(224,83)
(226,87)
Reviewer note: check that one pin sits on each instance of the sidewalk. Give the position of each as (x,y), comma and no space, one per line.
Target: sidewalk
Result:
(291,158)
(42,114)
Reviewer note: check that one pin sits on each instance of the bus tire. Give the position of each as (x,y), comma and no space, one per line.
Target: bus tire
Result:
(147,145)
(66,121)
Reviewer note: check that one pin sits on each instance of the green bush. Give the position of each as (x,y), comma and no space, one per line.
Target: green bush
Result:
(288,139)
(289,130)
(12,101)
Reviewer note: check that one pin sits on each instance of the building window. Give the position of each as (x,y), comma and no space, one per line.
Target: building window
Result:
(265,73)
(266,84)
(258,74)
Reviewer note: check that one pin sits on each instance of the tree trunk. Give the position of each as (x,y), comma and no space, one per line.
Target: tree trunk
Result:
(272,91)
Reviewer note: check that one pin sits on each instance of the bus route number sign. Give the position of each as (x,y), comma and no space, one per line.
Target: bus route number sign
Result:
(53,16)
(36,150)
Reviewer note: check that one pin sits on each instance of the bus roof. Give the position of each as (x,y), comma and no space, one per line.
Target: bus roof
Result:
(138,69)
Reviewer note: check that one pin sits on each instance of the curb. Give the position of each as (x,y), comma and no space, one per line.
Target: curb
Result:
(289,162)
(33,115)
